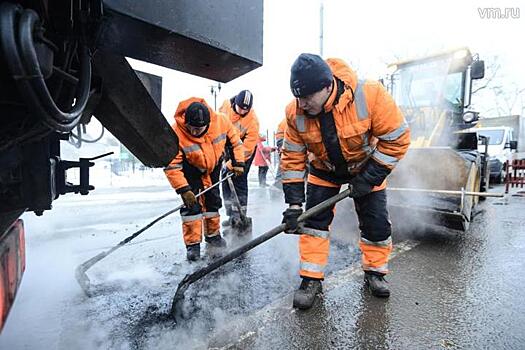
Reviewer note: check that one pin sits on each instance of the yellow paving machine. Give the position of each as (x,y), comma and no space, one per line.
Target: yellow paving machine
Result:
(443,170)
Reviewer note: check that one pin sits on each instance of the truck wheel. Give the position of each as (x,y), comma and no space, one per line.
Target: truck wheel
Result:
(501,177)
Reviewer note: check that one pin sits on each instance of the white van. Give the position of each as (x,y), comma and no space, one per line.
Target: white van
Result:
(501,144)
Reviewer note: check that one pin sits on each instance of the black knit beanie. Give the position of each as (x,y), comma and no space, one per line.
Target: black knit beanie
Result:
(309,74)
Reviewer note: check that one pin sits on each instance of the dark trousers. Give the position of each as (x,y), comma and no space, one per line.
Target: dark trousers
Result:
(375,243)
(204,215)
(212,198)
(262,175)
(371,212)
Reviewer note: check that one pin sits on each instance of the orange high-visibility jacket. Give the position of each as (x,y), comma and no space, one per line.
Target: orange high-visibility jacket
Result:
(368,122)
(247,126)
(201,153)
(279,135)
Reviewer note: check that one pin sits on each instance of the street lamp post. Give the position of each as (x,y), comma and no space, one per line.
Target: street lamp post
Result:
(321,28)
(215,90)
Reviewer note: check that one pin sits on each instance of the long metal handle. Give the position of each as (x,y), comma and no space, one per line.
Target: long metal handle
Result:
(80,272)
(236,199)
(176,308)
(458,193)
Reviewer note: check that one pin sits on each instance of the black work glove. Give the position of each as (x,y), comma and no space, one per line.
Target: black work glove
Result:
(359,186)
(290,217)
(189,199)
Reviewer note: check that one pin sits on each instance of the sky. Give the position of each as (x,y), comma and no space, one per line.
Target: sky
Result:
(368,35)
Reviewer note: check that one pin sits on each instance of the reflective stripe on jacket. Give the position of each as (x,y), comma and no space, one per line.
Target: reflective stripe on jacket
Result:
(368,123)
(203,153)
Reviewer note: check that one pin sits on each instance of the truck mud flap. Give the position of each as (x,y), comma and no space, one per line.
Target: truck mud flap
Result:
(12,266)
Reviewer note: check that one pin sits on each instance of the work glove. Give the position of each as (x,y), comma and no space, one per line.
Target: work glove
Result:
(236,170)
(189,199)
(359,187)
(228,166)
(290,217)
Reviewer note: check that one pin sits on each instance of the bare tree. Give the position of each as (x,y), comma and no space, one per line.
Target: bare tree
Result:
(493,68)
(500,94)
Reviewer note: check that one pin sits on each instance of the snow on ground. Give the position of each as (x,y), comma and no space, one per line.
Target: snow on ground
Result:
(136,283)
(102,177)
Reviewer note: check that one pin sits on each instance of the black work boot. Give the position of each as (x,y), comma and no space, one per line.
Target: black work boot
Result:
(193,252)
(377,284)
(304,297)
(216,241)
(226,222)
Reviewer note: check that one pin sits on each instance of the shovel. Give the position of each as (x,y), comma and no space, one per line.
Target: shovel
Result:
(80,271)
(245,225)
(177,308)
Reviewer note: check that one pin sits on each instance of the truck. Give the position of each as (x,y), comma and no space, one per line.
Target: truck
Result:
(516,122)
(434,93)
(501,145)
(64,63)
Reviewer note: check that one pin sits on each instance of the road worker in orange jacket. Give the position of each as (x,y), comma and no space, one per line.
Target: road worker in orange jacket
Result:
(279,139)
(203,136)
(240,112)
(347,131)
(279,135)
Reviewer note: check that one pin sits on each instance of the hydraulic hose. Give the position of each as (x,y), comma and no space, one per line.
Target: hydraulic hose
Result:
(8,13)
(23,64)
(77,139)
(28,22)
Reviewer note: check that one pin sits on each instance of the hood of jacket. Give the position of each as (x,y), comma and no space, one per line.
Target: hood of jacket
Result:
(180,119)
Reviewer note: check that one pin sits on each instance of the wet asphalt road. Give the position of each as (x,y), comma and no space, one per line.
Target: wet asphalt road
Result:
(449,290)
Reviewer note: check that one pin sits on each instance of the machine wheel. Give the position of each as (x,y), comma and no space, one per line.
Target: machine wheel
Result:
(501,177)
(485,180)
